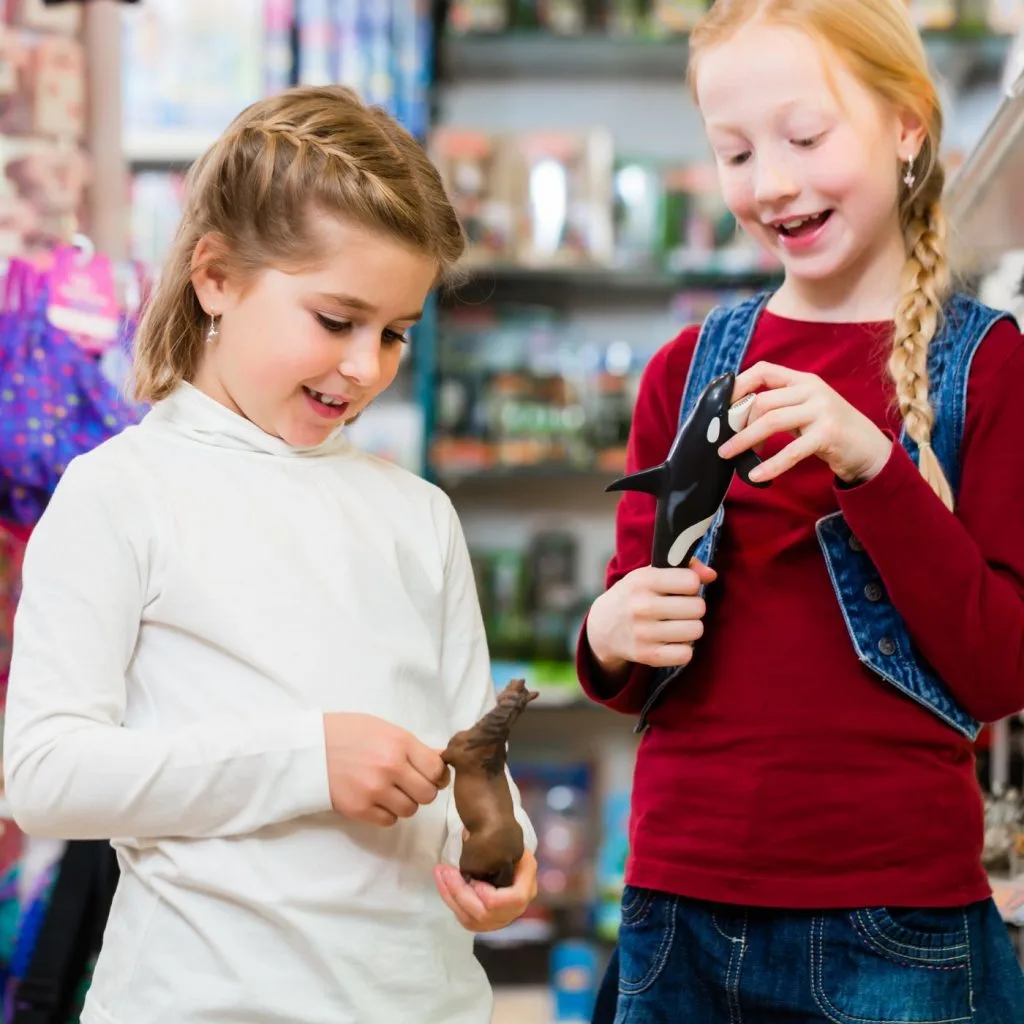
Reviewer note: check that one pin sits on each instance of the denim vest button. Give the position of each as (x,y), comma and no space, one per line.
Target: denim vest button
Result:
(855,544)
(873,592)
(886,646)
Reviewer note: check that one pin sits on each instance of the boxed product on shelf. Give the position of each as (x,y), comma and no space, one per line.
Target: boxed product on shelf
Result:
(934,14)
(563,17)
(1005,15)
(45,85)
(478,172)
(41,191)
(701,234)
(565,197)
(157,199)
(639,211)
(469,16)
(558,798)
(676,16)
(532,601)
(219,42)
(65,18)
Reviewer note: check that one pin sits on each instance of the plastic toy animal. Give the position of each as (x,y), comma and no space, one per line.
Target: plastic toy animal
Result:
(494,844)
(691,484)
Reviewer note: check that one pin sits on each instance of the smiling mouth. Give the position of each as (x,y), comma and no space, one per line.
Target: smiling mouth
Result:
(330,401)
(797,226)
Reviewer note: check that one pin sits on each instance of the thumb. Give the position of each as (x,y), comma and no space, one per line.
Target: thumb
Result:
(704,572)
(446,773)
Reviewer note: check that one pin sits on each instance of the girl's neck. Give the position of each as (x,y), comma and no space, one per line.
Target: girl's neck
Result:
(866,292)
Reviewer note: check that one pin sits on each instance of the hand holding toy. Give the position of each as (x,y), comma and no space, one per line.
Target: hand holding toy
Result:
(691,484)
(493,846)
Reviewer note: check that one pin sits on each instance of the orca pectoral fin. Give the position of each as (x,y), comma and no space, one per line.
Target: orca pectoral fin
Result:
(650,481)
(744,463)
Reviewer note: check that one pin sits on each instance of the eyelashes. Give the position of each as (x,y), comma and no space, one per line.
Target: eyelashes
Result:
(334,326)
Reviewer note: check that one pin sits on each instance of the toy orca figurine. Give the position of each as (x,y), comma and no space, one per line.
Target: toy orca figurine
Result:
(691,483)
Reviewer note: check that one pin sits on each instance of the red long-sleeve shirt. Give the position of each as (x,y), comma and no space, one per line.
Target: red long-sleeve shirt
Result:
(780,771)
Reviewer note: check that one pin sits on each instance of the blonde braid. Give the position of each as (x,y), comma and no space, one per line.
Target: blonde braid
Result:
(307,143)
(923,289)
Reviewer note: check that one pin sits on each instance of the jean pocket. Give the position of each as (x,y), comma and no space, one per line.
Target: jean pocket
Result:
(634,902)
(884,965)
(646,935)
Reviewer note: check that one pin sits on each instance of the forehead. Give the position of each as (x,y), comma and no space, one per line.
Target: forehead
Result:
(768,71)
(368,264)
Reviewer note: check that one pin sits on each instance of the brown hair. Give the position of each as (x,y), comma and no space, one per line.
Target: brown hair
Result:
(259,189)
(881,46)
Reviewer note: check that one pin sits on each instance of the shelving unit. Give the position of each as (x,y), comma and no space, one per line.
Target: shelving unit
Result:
(959,56)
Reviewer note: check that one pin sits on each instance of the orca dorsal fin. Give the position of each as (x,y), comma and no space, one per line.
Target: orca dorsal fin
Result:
(650,481)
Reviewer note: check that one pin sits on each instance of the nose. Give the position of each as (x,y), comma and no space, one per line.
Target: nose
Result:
(361,361)
(774,183)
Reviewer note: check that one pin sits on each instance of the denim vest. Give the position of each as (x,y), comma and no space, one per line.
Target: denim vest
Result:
(876,629)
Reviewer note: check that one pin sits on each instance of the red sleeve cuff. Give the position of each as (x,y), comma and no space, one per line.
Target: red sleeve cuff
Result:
(626,696)
(887,483)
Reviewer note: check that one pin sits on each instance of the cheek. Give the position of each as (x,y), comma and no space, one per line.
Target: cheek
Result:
(738,193)
(390,362)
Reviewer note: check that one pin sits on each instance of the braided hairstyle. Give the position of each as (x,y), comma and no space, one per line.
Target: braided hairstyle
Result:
(878,42)
(281,168)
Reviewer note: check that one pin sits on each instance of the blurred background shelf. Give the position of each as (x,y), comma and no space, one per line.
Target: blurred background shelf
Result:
(532,54)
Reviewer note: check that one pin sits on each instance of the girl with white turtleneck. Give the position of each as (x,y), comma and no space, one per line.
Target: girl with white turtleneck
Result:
(242,644)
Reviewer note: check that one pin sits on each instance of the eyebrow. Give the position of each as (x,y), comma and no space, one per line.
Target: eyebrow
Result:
(366,307)
(784,110)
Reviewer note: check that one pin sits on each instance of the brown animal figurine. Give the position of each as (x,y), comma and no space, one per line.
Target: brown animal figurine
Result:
(494,844)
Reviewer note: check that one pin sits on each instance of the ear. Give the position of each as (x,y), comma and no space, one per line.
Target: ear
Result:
(911,134)
(213,284)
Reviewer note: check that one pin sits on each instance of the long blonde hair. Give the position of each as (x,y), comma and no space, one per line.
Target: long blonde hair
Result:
(881,46)
(282,164)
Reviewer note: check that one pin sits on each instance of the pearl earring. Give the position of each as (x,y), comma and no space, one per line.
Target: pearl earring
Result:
(909,178)
(214,331)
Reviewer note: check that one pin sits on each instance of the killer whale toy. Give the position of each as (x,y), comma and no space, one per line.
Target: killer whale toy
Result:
(691,484)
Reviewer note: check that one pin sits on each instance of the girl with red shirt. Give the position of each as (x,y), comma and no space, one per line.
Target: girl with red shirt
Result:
(805,837)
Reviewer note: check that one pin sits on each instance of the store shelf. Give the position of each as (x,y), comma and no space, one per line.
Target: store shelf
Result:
(528,55)
(536,55)
(983,199)
(550,473)
(167,146)
(604,281)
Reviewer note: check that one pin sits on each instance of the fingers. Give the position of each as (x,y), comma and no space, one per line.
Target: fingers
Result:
(764,375)
(425,773)
(704,572)
(786,419)
(684,582)
(666,656)
(379,816)
(662,607)
(796,451)
(670,631)
(460,897)
(480,907)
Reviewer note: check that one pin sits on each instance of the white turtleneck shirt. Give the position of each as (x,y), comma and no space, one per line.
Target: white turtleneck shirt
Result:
(195,597)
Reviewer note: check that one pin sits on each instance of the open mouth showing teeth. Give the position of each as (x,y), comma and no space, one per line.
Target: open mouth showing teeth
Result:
(329,400)
(802,225)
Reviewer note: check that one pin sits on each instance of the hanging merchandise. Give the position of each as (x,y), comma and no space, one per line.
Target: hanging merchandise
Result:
(55,400)
(380,48)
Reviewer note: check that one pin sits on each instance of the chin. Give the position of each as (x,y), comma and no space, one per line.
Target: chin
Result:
(306,436)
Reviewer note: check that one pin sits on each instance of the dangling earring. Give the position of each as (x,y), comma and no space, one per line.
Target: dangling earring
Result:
(214,331)
(909,178)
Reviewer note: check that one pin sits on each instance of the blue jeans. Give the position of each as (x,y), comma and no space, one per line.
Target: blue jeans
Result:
(683,961)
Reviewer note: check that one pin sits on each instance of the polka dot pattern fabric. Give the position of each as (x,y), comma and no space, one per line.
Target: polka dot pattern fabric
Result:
(55,403)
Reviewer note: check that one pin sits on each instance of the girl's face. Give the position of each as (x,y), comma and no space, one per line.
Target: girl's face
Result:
(808,161)
(300,353)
